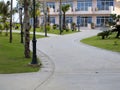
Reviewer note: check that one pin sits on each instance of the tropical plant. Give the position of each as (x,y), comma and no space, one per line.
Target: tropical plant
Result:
(27,28)
(116,23)
(5,14)
(104,34)
(7,27)
(73,26)
(92,25)
(48,19)
(48,28)
(54,26)
(28,13)
(1,28)
(65,8)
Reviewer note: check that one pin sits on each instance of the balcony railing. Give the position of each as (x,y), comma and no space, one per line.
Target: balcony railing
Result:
(76,11)
(110,10)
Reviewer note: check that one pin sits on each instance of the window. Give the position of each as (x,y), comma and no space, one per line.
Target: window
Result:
(70,2)
(83,21)
(52,20)
(69,20)
(51,4)
(102,20)
(82,5)
(104,4)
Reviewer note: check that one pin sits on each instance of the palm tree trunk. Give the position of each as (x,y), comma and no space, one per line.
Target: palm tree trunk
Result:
(11,22)
(118,34)
(64,26)
(26,29)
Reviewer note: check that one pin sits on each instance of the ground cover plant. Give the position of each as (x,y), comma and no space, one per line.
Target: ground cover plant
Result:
(12,58)
(110,43)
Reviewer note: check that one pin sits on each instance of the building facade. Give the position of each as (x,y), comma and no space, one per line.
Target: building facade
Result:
(83,12)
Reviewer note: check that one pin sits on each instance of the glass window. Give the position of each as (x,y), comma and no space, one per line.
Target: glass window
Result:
(51,4)
(83,21)
(104,4)
(82,5)
(102,20)
(70,2)
(52,20)
(69,20)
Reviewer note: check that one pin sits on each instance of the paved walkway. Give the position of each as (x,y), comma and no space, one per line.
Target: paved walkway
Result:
(69,65)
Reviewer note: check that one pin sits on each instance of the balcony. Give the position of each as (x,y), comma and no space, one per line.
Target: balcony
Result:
(109,11)
(52,12)
(88,11)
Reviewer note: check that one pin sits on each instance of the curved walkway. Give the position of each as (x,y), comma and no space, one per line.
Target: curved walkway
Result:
(79,66)
(69,65)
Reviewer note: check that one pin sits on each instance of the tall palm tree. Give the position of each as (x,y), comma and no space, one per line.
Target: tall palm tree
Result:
(65,8)
(26,28)
(48,19)
(28,13)
(11,21)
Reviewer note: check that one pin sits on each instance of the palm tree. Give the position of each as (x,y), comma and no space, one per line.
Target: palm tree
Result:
(28,13)
(48,19)
(116,19)
(27,28)
(11,21)
(65,8)
(5,14)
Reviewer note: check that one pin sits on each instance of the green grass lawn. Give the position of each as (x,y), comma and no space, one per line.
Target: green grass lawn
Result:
(110,43)
(52,31)
(12,56)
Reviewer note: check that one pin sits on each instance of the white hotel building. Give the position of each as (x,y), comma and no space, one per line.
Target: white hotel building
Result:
(83,12)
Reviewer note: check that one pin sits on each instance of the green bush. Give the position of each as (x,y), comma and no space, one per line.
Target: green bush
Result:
(48,27)
(1,28)
(92,25)
(17,26)
(104,34)
(54,26)
(73,26)
(67,28)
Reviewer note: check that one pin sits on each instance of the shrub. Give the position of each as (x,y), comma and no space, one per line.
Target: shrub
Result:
(73,26)
(48,27)
(92,25)
(104,34)
(1,28)
(17,26)
(54,26)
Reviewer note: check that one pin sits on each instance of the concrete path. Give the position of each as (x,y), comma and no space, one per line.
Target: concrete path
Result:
(79,66)
(69,65)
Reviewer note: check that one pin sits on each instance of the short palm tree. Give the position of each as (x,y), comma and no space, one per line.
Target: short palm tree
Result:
(65,8)
(116,19)
(5,15)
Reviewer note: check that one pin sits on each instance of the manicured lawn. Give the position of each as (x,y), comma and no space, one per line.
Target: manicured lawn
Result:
(12,56)
(52,31)
(110,43)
